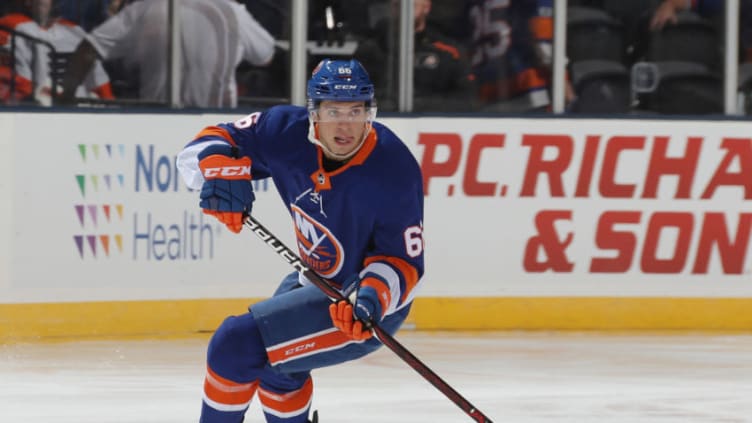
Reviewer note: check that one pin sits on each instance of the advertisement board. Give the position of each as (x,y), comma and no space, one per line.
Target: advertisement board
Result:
(586,207)
(100,213)
(583,211)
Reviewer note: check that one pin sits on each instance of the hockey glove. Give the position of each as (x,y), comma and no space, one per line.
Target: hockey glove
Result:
(227,192)
(366,307)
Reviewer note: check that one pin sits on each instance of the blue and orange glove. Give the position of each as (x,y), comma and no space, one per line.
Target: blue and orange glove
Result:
(227,193)
(366,307)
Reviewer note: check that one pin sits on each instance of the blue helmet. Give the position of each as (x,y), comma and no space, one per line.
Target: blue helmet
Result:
(340,80)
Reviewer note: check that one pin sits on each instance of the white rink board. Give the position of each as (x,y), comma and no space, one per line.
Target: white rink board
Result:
(479,243)
(162,257)
(488,181)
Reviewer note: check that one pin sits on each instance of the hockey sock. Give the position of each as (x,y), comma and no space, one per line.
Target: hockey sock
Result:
(235,360)
(285,406)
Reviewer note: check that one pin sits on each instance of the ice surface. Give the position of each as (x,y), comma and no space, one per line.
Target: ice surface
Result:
(511,377)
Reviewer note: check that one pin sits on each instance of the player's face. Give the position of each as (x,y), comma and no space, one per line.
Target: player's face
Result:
(342,126)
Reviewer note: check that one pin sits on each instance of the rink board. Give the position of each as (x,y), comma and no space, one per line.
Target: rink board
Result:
(179,318)
(544,223)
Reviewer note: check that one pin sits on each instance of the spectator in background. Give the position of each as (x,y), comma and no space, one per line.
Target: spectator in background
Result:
(666,12)
(449,18)
(333,28)
(12,89)
(349,16)
(441,72)
(512,54)
(443,81)
(506,60)
(38,67)
(216,36)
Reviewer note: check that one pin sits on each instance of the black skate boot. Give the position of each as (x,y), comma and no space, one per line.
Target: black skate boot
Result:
(315,417)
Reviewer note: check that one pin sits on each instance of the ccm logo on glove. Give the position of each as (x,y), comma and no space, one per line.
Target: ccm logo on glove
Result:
(212,167)
(227,193)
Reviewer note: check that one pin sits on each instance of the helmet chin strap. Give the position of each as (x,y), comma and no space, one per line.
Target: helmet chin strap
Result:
(341,157)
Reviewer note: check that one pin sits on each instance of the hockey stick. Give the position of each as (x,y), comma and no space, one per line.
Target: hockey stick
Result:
(383,336)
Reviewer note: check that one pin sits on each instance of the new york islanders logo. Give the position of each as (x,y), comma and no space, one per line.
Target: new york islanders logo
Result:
(319,249)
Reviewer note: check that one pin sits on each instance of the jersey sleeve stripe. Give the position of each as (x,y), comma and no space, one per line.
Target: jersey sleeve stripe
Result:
(382,288)
(390,277)
(214,132)
(448,48)
(542,28)
(407,277)
(187,163)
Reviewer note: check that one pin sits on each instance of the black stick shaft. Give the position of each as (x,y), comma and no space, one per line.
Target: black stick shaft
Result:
(383,336)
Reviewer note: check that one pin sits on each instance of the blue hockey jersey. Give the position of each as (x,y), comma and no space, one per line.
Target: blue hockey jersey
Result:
(511,49)
(364,217)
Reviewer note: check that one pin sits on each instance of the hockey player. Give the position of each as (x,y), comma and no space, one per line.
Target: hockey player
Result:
(355,196)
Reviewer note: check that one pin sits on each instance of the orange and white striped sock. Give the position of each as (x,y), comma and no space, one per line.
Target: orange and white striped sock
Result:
(288,407)
(225,395)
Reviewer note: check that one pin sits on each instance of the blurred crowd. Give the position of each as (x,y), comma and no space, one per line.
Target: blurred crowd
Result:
(637,56)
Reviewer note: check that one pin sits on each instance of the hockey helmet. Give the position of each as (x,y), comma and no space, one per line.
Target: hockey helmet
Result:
(339,80)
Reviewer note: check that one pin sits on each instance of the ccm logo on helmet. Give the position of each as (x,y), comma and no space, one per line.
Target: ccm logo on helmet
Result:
(227,171)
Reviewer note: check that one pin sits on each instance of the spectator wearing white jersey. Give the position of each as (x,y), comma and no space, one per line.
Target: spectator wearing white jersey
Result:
(215,37)
(40,40)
